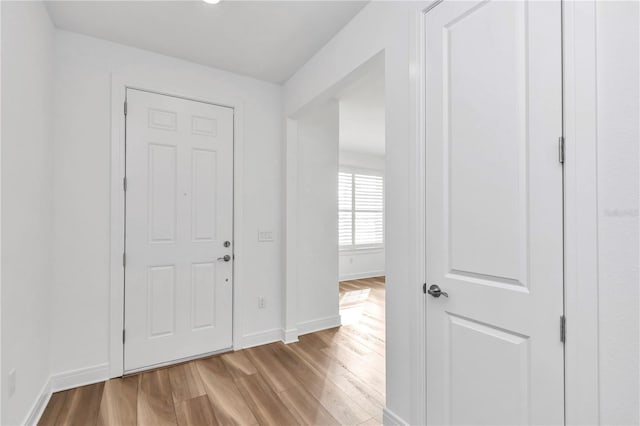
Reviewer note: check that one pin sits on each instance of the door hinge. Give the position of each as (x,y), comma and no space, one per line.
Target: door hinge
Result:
(123,335)
(125,108)
(124,183)
(563,329)
(124,260)
(561,149)
(424,288)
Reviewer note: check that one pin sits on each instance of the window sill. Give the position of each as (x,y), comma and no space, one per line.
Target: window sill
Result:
(360,250)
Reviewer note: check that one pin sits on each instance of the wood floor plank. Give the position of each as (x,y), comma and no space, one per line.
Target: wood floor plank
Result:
(367,367)
(313,340)
(81,406)
(265,404)
(229,406)
(365,396)
(185,382)
(52,411)
(337,402)
(155,399)
(195,412)
(239,364)
(334,337)
(318,360)
(119,405)
(371,422)
(372,342)
(305,408)
(273,371)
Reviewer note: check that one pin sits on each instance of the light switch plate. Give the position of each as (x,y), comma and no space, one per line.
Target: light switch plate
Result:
(265,236)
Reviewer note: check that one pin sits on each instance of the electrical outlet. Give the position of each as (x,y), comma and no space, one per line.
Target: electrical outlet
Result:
(261,302)
(11,383)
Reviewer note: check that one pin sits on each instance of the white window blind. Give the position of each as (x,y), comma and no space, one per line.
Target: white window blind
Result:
(360,210)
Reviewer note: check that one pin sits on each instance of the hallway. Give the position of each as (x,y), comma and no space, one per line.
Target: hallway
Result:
(334,376)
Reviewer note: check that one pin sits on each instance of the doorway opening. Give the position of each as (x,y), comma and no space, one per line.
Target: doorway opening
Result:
(361,177)
(336,226)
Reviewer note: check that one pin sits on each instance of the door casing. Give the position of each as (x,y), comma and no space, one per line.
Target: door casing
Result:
(119,85)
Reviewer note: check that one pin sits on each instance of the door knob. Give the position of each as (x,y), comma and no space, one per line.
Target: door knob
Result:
(435,291)
(226,258)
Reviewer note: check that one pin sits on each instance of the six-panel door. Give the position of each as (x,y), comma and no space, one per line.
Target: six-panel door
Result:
(179,213)
(494,213)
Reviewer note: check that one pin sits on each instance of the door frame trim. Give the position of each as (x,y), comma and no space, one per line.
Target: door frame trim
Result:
(582,400)
(581,364)
(120,82)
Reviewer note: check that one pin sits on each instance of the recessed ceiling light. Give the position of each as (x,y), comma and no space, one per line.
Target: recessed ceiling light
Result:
(212,1)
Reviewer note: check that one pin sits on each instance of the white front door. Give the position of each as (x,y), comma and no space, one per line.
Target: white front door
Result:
(494,213)
(179,228)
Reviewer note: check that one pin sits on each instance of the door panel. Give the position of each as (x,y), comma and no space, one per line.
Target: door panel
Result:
(203,206)
(203,295)
(500,379)
(162,193)
(486,66)
(179,210)
(494,213)
(161,303)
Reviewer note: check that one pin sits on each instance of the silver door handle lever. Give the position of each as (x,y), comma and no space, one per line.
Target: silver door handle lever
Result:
(435,291)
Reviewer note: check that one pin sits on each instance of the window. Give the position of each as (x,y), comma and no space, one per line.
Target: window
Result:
(360,210)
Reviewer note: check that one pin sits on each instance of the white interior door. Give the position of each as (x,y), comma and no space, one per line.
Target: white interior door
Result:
(494,213)
(179,213)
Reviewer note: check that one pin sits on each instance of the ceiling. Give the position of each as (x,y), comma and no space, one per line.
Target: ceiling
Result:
(268,40)
(362,113)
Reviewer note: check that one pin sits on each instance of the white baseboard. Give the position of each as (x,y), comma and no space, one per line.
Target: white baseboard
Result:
(290,335)
(80,377)
(261,338)
(287,335)
(389,418)
(63,381)
(318,324)
(361,275)
(39,405)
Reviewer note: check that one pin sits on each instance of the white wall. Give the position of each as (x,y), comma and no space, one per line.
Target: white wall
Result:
(362,113)
(393,27)
(361,160)
(27,170)
(618,136)
(82,126)
(317,258)
(363,263)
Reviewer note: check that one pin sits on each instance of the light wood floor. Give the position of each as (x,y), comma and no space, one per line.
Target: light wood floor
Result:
(330,377)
